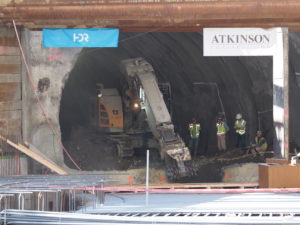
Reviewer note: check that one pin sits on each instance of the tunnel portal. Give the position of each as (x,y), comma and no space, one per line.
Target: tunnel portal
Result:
(202,87)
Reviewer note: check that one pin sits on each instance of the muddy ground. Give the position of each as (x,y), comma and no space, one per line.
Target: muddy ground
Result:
(94,152)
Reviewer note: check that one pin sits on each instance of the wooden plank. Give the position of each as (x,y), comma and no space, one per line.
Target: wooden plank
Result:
(10,68)
(10,92)
(10,83)
(10,122)
(10,78)
(7,31)
(11,106)
(10,59)
(11,128)
(36,155)
(279,161)
(10,115)
(8,50)
(8,41)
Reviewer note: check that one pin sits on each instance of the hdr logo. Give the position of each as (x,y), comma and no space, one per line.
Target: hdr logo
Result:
(80,37)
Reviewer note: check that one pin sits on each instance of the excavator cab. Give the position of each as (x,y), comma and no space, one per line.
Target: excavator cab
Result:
(109,110)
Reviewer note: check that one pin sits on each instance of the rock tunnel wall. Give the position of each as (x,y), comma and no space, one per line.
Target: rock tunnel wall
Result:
(201,86)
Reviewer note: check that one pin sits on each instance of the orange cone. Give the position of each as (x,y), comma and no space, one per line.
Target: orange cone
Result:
(163,179)
(130,180)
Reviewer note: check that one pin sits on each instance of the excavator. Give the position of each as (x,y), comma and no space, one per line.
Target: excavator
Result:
(139,117)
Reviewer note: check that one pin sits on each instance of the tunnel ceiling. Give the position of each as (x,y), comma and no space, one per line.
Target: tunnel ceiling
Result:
(152,15)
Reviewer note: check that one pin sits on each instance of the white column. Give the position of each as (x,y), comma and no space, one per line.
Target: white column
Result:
(280,95)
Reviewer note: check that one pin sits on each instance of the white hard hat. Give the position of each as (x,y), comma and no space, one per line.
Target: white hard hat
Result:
(238,116)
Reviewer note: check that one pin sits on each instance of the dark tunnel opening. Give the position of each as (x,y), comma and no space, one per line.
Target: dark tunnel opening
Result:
(201,87)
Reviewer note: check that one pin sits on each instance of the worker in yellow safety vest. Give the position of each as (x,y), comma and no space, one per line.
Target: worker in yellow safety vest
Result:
(222,129)
(194,130)
(240,131)
(260,144)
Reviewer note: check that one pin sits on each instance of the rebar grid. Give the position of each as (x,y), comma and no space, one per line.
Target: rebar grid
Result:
(51,192)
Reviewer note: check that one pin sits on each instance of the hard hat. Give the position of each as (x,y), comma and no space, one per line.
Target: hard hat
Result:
(238,116)
(259,132)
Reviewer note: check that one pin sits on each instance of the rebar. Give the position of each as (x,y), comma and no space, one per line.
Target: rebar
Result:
(52,181)
(48,192)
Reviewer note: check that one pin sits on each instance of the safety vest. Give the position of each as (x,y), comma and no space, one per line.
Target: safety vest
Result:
(240,126)
(194,130)
(221,129)
(261,142)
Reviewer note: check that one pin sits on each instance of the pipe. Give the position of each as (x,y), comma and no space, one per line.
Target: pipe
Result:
(19,201)
(193,10)
(41,206)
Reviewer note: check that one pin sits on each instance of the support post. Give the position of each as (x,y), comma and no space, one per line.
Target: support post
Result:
(286,92)
(281,95)
(101,194)
(147,178)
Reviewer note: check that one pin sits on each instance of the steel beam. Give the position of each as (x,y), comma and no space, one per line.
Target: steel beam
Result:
(184,15)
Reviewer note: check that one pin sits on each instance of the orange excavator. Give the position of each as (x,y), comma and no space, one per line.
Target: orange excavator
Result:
(139,118)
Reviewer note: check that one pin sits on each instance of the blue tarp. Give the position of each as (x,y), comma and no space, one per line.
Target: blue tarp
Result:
(80,38)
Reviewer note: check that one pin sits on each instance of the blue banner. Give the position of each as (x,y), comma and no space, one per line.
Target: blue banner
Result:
(81,37)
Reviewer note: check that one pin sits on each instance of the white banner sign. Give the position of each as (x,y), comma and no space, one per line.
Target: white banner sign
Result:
(239,41)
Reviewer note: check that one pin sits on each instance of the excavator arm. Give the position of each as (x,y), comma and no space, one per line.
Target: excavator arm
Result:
(140,77)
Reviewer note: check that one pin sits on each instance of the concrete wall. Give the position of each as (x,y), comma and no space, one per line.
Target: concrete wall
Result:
(10,85)
(244,172)
(49,68)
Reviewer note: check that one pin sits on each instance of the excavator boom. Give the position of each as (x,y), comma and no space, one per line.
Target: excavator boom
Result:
(140,76)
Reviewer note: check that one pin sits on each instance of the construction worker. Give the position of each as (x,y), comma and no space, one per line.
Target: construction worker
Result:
(240,130)
(260,144)
(194,129)
(222,129)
